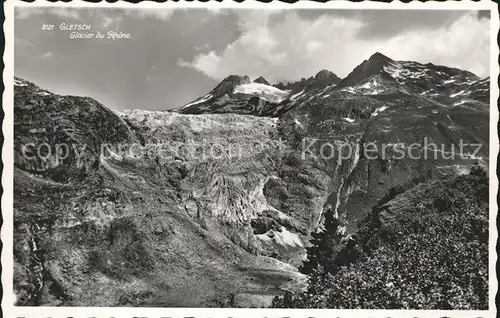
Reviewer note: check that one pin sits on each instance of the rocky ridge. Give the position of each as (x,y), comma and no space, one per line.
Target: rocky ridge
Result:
(235,94)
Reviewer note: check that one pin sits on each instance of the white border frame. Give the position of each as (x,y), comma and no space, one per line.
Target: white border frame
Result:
(10,310)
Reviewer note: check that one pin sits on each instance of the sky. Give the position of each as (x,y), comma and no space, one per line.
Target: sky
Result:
(174,56)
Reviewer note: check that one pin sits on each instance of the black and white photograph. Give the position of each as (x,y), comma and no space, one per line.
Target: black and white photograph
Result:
(267,156)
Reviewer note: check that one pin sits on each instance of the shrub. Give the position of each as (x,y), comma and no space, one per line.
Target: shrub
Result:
(60,173)
(325,245)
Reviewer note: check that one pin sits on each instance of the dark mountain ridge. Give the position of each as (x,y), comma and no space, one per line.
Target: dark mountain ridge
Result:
(261,80)
(322,79)
(374,65)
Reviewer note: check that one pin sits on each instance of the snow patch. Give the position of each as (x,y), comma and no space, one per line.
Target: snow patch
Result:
(348,119)
(298,123)
(371,88)
(399,70)
(369,85)
(378,110)
(288,238)
(449,81)
(460,102)
(296,95)
(267,92)
(376,91)
(283,238)
(459,93)
(395,70)
(348,89)
(204,99)
(19,83)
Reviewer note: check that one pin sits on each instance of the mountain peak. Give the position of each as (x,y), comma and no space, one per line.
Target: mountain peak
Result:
(379,57)
(324,78)
(374,65)
(261,80)
(324,74)
(229,83)
(237,78)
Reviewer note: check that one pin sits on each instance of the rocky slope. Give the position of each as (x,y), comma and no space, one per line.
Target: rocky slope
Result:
(212,204)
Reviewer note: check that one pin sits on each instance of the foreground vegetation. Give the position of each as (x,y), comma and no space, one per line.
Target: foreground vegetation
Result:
(423,246)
